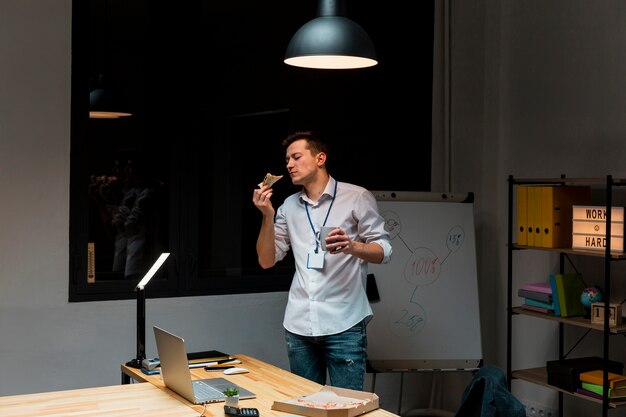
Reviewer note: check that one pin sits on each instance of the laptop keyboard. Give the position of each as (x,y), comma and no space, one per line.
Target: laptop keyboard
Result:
(204,392)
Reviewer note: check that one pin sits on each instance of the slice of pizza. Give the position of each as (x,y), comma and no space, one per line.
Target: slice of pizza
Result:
(270,180)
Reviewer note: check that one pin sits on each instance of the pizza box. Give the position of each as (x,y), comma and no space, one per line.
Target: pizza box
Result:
(330,402)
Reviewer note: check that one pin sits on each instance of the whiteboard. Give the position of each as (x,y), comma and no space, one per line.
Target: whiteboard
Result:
(427,317)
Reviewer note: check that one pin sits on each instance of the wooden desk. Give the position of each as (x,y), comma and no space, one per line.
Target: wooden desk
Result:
(267,381)
(118,400)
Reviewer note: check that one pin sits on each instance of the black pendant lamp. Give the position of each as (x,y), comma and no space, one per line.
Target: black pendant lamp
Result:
(102,104)
(331,41)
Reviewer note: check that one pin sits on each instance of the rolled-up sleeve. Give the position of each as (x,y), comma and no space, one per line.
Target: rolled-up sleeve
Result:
(372,225)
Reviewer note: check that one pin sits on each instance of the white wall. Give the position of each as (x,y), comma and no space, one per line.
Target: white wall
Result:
(46,343)
(538,90)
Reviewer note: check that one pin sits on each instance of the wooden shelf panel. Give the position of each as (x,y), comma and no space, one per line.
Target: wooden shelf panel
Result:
(539,376)
(584,252)
(563,181)
(572,321)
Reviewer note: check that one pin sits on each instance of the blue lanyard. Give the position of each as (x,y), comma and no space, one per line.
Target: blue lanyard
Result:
(306,207)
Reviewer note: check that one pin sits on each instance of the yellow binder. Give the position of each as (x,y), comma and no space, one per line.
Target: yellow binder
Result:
(522,215)
(530,203)
(548,216)
(537,215)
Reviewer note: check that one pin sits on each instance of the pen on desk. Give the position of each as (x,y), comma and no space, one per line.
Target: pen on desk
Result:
(223,362)
(217,368)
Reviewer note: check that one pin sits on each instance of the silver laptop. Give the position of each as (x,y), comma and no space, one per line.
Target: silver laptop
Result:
(177,376)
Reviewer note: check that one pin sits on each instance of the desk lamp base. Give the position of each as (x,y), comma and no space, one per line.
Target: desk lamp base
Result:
(134,363)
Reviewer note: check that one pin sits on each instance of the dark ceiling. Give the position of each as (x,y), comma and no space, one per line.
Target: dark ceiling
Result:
(191,63)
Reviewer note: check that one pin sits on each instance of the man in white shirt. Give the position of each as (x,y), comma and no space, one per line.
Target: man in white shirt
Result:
(327,310)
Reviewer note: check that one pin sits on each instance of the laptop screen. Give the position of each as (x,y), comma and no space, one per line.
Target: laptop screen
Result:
(177,376)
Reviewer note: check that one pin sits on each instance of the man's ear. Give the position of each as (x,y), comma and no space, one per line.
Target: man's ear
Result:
(321,158)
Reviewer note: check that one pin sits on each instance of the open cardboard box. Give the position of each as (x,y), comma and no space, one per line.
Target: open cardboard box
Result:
(330,402)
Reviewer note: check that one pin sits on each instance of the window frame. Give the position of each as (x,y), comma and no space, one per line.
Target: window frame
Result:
(345,115)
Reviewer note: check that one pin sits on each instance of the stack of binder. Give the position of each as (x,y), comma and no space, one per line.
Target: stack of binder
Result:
(544,214)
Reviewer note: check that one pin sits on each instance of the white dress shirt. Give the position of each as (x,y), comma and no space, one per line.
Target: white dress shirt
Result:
(332,299)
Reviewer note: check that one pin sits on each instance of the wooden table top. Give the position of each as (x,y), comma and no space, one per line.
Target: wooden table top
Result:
(114,401)
(267,381)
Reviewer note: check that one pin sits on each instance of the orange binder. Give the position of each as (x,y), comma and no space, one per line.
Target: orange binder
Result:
(556,213)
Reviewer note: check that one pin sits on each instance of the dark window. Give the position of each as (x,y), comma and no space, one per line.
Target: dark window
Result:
(211,100)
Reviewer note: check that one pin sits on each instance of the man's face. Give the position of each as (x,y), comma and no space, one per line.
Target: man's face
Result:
(302,165)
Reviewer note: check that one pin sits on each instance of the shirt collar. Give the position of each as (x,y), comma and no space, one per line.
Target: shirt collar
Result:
(326,194)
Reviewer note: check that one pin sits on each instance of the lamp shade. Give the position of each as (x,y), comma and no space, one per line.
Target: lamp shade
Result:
(99,106)
(331,41)
(102,105)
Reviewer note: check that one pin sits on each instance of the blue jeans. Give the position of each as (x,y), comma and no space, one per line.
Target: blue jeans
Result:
(343,355)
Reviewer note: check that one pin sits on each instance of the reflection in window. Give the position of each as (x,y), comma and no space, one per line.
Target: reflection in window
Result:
(126,207)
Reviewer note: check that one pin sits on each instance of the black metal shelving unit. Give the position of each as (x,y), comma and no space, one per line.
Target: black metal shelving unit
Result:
(539,375)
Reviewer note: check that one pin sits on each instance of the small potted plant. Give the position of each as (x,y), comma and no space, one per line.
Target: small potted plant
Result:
(232,396)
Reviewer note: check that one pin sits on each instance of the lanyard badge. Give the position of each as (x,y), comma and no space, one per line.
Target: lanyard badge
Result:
(315,258)
(316,235)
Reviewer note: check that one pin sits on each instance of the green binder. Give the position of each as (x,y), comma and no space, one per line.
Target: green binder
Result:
(569,288)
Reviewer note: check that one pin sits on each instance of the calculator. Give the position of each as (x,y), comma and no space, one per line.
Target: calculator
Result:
(241,412)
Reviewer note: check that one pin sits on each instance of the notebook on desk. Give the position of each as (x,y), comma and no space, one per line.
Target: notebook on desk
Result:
(177,377)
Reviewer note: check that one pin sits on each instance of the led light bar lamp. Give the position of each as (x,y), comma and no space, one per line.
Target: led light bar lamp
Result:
(331,41)
(141,312)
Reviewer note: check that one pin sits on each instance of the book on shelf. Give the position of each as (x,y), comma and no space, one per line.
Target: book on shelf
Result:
(589,393)
(539,296)
(535,303)
(599,389)
(597,377)
(555,296)
(569,288)
(543,287)
(537,309)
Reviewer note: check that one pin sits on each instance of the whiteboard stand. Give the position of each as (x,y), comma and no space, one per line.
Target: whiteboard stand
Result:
(400,390)
(427,316)
(435,399)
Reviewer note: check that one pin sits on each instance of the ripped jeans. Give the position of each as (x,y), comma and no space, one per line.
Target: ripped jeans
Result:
(343,355)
